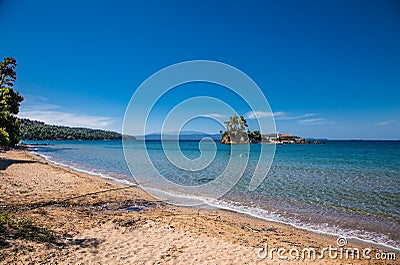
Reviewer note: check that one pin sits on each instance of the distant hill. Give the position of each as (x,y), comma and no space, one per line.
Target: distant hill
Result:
(183,136)
(37,130)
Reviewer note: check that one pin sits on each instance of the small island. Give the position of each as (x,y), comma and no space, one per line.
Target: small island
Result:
(237,133)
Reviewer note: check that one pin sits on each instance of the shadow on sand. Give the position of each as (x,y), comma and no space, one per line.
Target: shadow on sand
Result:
(5,162)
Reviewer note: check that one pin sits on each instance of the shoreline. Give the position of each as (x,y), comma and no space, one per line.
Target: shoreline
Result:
(355,239)
(244,236)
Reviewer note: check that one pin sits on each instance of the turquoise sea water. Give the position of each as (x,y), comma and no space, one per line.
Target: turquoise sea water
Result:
(350,188)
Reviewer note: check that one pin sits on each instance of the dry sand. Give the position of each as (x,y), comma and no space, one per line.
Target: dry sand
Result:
(86,214)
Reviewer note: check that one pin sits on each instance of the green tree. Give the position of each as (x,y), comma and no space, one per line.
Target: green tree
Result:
(4,137)
(255,136)
(8,75)
(236,130)
(243,123)
(10,101)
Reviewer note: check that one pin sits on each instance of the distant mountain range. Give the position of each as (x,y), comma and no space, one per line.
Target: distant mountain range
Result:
(182,136)
(193,136)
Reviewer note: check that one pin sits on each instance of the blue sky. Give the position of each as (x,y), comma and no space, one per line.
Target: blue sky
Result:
(328,68)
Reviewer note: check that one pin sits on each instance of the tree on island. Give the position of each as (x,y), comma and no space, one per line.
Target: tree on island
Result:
(10,101)
(235,131)
(236,124)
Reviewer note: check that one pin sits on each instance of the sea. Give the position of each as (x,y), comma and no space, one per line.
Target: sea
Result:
(342,188)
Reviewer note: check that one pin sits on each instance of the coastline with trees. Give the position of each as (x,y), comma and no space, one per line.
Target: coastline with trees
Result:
(37,130)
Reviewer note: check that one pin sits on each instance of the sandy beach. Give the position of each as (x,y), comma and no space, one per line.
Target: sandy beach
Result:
(97,221)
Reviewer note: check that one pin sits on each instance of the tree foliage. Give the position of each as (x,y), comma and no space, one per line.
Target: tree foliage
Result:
(236,132)
(10,101)
(236,124)
(255,136)
(36,130)
(4,137)
(8,75)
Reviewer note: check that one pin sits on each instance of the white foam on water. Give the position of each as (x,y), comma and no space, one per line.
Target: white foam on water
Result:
(375,239)
(89,172)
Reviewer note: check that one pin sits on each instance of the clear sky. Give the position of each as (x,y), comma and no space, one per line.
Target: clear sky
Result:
(328,68)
